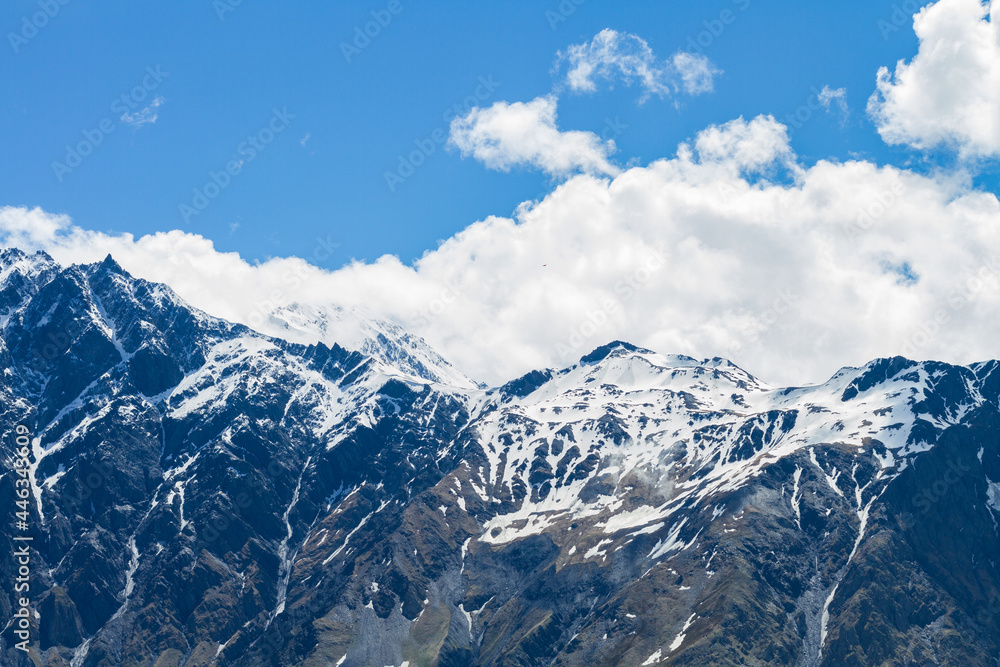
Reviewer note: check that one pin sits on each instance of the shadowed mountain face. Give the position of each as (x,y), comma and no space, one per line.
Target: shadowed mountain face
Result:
(201,494)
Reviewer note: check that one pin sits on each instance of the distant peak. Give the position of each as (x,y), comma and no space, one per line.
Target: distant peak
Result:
(875,373)
(15,253)
(720,362)
(526,384)
(109,264)
(35,262)
(605,351)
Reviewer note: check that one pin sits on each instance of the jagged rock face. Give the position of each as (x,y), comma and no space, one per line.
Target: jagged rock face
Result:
(206,495)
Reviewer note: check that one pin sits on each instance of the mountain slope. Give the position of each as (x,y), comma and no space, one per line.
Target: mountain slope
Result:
(206,495)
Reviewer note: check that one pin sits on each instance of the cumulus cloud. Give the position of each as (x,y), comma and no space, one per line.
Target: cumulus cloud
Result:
(614,55)
(526,134)
(508,135)
(790,278)
(948,95)
(752,147)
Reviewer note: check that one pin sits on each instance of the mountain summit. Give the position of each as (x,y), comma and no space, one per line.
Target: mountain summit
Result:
(202,494)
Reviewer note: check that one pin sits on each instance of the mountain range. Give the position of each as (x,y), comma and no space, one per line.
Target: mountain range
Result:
(202,494)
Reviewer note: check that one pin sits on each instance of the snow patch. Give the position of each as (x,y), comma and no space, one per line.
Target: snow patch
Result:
(653,659)
(679,639)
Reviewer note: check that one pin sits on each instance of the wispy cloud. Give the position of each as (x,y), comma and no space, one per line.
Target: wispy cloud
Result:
(145,116)
(616,56)
(862,268)
(835,97)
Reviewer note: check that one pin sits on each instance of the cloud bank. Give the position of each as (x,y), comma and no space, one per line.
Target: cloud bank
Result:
(731,247)
(691,254)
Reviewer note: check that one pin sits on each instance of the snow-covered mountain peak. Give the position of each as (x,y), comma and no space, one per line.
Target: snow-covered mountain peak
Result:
(21,275)
(622,367)
(701,427)
(15,259)
(357,328)
(183,464)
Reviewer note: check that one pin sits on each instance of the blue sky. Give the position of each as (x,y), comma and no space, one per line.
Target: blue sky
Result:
(794,186)
(227,70)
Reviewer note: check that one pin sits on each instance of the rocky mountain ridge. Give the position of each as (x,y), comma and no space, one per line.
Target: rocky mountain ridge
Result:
(202,494)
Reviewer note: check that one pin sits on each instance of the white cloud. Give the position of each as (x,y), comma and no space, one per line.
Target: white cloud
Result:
(145,116)
(791,280)
(696,71)
(508,135)
(613,55)
(830,97)
(949,94)
(748,147)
